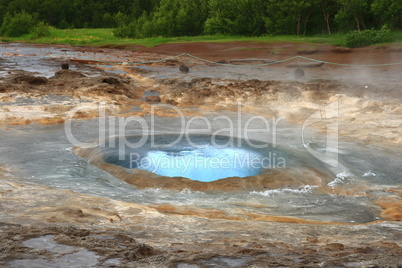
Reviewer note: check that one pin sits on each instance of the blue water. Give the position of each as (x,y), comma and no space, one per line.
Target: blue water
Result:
(208,164)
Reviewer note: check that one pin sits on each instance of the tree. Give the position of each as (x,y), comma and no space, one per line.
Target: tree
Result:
(353,12)
(290,16)
(236,17)
(18,24)
(388,12)
(170,18)
(329,9)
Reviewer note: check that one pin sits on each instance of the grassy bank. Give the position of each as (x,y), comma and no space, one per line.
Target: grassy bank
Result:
(102,37)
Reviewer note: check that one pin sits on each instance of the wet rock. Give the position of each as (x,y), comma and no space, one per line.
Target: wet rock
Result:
(171,62)
(68,74)
(393,214)
(154,99)
(30,79)
(111,81)
(114,90)
(364,250)
(334,247)
(171,102)
(342,50)
(184,68)
(313,240)
(299,73)
(307,51)
(65,66)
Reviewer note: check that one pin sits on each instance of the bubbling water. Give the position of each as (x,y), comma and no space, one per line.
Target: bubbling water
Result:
(197,157)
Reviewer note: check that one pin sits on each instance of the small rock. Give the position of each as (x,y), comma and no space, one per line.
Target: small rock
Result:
(59,84)
(184,68)
(307,51)
(342,50)
(313,240)
(111,81)
(30,79)
(68,74)
(363,250)
(334,247)
(392,213)
(223,61)
(153,99)
(299,73)
(172,102)
(65,66)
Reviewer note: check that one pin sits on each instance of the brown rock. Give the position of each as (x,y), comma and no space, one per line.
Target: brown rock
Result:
(342,50)
(393,214)
(153,99)
(65,66)
(313,240)
(334,247)
(30,79)
(363,250)
(59,84)
(307,51)
(68,74)
(111,81)
(172,102)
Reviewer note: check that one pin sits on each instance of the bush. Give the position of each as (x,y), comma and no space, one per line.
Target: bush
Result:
(368,37)
(170,18)
(40,30)
(17,25)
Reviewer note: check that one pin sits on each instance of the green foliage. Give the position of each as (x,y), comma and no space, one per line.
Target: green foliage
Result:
(40,30)
(353,14)
(388,12)
(291,16)
(368,37)
(234,17)
(18,24)
(167,18)
(170,18)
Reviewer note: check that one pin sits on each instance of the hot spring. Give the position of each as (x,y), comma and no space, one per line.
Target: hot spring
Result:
(197,157)
(280,180)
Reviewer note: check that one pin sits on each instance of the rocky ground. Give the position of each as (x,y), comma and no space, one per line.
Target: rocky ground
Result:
(45,227)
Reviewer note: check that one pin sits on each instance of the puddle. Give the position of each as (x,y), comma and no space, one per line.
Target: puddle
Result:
(58,255)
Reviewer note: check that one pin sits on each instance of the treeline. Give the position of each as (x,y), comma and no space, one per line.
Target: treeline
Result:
(78,13)
(148,18)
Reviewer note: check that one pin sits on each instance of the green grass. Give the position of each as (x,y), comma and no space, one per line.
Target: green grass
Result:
(102,37)
(398,36)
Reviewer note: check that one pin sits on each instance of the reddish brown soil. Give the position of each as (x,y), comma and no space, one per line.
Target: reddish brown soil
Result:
(280,51)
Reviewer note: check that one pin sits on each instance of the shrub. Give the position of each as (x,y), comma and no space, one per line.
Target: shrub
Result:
(17,25)
(368,37)
(40,30)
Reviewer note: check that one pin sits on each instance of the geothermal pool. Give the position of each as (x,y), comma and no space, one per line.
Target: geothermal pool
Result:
(43,154)
(203,158)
